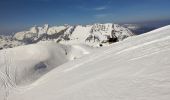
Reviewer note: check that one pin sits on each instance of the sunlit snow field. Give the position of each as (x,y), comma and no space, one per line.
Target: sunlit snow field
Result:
(137,68)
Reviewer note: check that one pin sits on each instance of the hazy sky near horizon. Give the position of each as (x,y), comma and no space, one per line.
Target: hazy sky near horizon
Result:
(17,14)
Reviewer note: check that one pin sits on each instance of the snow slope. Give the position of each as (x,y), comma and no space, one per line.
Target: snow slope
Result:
(134,69)
(23,65)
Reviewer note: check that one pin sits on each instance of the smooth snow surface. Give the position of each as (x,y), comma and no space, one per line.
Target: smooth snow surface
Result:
(137,68)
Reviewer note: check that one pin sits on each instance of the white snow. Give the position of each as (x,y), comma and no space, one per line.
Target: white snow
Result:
(55,29)
(43,30)
(137,68)
(8,42)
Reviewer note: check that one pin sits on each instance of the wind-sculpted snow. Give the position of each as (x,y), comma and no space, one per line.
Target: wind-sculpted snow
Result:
(23,65)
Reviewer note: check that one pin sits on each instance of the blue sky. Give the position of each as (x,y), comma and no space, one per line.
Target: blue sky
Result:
(19,14)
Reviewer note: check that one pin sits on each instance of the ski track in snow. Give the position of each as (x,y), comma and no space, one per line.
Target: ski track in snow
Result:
(144,44)
(150,54)
(9,83)
(6,77)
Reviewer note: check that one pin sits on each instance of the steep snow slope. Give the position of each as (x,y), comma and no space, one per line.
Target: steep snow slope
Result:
(134,69)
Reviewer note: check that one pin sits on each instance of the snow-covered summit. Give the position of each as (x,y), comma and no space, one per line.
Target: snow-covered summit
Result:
(93,35)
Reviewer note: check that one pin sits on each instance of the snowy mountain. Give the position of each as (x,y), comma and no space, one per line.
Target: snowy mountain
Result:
(134,69)
(8,42)
(93,35)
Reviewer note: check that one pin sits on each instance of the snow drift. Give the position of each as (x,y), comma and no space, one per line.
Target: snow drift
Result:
(23,65)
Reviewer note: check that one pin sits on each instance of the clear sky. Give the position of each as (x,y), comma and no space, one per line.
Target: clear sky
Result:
(18,14)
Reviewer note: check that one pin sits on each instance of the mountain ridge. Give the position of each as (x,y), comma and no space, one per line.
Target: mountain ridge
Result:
(94,35)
